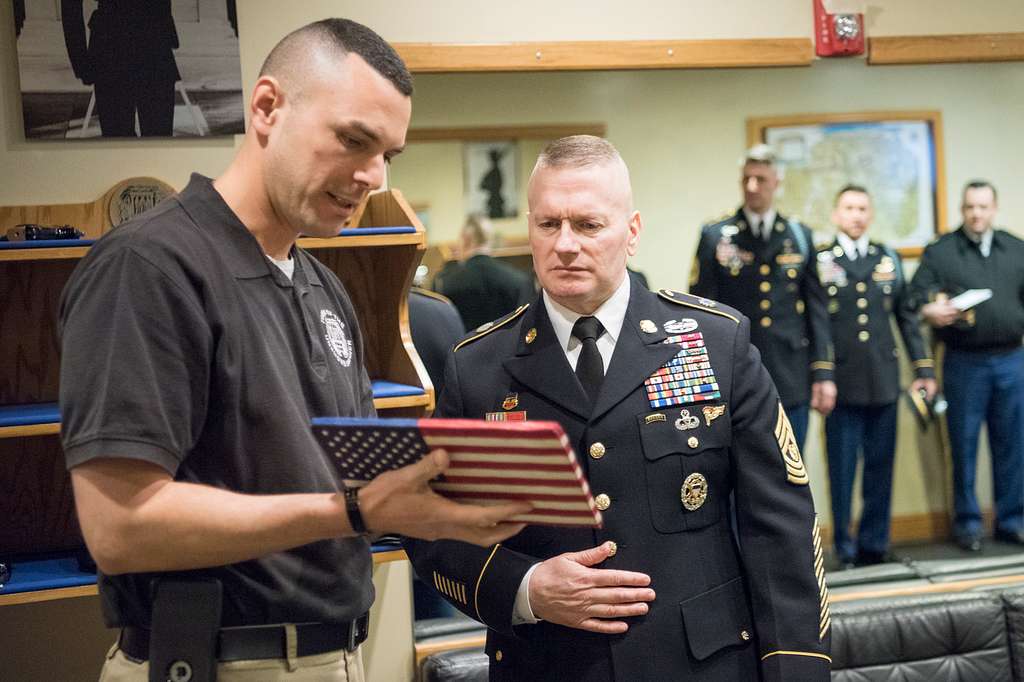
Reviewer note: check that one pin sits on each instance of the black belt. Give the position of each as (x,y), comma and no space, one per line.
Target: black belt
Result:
(265,641)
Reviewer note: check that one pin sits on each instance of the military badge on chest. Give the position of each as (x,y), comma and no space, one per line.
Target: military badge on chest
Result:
(687,378)
(730,256)
(885,271)
(830,273)
(789,260)
(509,414)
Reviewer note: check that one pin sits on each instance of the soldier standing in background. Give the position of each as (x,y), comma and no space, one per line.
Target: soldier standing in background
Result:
(983,370)
(762,264)
(866,288)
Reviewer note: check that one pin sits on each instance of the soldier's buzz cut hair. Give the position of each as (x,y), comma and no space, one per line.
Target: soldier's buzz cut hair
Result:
(860,189)
(289,56)
(980,184)
(760,153)
(578,151)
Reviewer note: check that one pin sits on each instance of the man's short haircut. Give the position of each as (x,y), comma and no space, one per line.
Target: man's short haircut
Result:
(478,230)
(760,153)
(979,184)
(288,57)
(577,151)
(860,189)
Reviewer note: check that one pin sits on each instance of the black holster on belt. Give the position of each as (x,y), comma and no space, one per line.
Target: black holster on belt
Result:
(183,639)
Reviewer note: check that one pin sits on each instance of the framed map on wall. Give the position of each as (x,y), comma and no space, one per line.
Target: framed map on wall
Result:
(895,155)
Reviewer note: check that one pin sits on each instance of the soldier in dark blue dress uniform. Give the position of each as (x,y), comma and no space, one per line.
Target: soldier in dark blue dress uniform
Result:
(866,289)
(762,264)
(672,412)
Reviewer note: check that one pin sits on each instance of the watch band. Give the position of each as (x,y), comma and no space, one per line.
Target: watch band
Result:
(355,517)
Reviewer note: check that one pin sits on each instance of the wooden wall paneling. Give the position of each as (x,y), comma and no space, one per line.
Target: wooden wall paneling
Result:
(939,49)
(89,218)
(486,133)
(29,297)
(607,55)
(93,218)
(36,504)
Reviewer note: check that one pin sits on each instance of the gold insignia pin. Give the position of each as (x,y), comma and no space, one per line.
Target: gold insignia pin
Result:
(648,327)
(657,417)
(531,335)
(712,412)
(694,492)
(511,401)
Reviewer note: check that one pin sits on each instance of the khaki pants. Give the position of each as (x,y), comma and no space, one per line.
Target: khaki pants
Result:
(333,666)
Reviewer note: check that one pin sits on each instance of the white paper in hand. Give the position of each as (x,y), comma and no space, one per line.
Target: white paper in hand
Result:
(970,298)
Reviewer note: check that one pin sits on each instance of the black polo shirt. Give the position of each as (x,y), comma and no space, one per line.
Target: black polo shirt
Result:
(953,264)
(185,346)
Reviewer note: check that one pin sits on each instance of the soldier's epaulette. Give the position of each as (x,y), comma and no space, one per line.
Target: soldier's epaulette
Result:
(488,327)
(432,294)
(719,221)
(698,302)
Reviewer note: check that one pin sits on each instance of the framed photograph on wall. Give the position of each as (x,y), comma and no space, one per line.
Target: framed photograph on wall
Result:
(491,178)
(159,68)
(896,155)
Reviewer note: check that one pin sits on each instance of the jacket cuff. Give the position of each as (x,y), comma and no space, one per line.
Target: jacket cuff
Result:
(924,368)
(807,666)
(822,370)
(494,594)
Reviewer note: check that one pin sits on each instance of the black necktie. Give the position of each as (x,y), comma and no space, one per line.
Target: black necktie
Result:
(590,366)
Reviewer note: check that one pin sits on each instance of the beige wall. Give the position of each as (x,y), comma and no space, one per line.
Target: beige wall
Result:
(682,132)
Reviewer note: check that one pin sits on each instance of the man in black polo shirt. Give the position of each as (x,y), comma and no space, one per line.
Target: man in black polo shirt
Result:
(198,341)
(983,372)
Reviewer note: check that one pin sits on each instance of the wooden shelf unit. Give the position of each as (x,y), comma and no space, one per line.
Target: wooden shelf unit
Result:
(35,489)
(33,596)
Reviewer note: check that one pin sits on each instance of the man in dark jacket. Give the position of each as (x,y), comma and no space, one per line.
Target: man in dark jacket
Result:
(983,371)
(480,286)
(762,264)
(671,411)
(866,289)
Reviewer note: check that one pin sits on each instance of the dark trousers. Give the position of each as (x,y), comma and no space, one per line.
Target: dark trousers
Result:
(117,102)
(849,431)
(798,415)
(986,387)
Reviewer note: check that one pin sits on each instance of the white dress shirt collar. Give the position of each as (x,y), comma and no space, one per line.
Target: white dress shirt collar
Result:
(765,219)
(611,314)
(984,242)
(853,249)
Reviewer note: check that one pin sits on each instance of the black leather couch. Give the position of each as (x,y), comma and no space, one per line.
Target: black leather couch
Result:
(964,624)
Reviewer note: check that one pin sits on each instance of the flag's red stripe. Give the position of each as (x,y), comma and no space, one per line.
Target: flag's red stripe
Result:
(560,512)
(486,494)
(483,429)
(540,482)
(509,449)
(509,466)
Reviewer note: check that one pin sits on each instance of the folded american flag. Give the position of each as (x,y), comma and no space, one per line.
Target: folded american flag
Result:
(490,462)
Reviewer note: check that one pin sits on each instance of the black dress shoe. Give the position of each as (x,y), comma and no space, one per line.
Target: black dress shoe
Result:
(969,543)
(1013,537)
